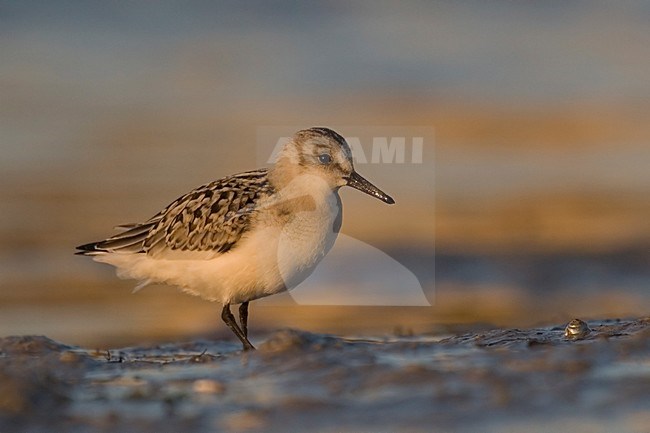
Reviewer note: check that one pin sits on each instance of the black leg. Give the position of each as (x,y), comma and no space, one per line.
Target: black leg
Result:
(243,317)
(229,319)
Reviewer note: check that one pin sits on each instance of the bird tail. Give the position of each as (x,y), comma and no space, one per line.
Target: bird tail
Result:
(130,241)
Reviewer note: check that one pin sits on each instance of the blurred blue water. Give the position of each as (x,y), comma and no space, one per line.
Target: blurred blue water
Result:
(104,107)
(67,65)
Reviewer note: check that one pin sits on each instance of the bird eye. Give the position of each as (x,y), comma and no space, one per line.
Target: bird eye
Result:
(324,158)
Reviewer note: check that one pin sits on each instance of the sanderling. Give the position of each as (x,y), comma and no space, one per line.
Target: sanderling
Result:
(245,236)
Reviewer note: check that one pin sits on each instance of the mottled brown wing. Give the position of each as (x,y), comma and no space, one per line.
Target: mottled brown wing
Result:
(211,218)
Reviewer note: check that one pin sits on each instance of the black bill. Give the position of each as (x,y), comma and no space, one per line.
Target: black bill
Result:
(358,182)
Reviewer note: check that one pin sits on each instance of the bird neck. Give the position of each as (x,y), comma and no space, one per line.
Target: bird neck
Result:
(285,172)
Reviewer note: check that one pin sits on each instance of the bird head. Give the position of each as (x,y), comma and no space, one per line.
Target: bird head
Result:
(322,152)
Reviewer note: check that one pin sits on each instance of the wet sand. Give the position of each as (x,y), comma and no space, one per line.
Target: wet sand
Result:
(530,380)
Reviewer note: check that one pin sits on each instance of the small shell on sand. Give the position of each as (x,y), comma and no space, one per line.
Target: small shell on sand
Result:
(576,330)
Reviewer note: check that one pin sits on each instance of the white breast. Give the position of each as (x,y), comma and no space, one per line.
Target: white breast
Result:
(307,238)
